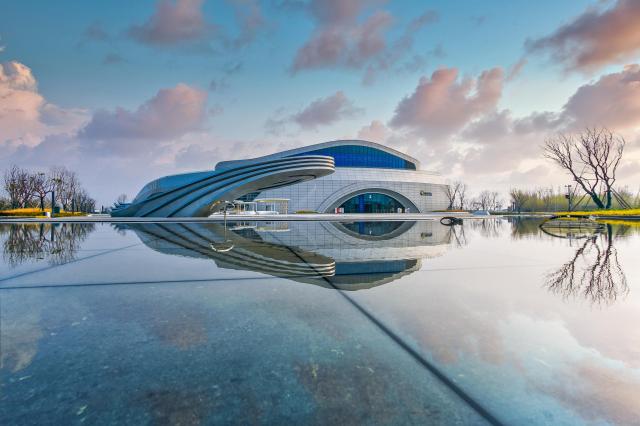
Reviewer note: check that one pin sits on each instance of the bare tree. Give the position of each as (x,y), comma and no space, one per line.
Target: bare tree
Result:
(66,185)
(518,198)
(487,200)
(84,202)
(484,200)
(591,158)
(42,186)
(122,198)
(11,185)
(20,185)
(462,195)
(451,192)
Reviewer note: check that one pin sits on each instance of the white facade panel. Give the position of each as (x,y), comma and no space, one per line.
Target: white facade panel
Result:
(424,190)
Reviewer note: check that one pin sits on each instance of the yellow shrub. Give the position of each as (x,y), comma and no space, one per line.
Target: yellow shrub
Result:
(625,212)
(35,211)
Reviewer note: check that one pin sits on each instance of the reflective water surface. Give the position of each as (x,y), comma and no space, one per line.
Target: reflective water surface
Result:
(497,320)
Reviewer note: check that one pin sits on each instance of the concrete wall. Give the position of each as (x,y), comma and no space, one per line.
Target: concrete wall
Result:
(324,193)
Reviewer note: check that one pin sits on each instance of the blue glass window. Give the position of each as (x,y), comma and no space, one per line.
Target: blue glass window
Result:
(362,156)
(372,203)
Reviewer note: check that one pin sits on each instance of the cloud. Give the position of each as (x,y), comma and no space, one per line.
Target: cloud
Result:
(250,20)
(172,23)
(112,59)
(427,17)
(198,157)
(108,147)
(595,38)
(324,111)
(25,115)
(339,40)
(320,112)
(516,69)
(507,142)
(502,144)
(376,131)
(612,101)
(169,114)
(183,23)
(401,48)
(442,104)
(96,32)
(350,35)
(345,37)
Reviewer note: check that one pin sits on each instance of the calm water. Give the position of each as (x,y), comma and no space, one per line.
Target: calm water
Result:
(309,322)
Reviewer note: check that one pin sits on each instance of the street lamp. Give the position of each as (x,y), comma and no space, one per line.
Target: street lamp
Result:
(568,196)
(56,181)
(41,174)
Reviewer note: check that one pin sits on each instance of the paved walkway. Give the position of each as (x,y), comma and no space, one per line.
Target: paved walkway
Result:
(365,217)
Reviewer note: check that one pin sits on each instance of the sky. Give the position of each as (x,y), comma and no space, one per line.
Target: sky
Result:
(124,92)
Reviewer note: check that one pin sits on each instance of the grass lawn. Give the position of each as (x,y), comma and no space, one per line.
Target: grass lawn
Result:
(35,212)
(625,212)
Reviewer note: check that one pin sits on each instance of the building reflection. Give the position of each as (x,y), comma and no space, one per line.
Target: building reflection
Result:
(348,256)
(56,243)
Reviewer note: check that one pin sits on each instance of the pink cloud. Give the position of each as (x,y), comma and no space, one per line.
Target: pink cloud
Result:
(20,103)
(324,111)
(250,19)
(339,39)
(442,105)
(596,38)
(612,101)
(173,22)
(355,35)
(335,12)
(169,114)
(25,115)
(183,23)
(370,38)
(505,142)
(376,131)
(325,48)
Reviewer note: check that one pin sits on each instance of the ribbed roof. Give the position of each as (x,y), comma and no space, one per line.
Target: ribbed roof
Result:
(344,142)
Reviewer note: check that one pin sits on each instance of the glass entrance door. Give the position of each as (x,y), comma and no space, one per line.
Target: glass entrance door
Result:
(372,203)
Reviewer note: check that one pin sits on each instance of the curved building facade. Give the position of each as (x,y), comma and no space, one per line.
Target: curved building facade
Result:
(195,194)
(368,178)
(353,176)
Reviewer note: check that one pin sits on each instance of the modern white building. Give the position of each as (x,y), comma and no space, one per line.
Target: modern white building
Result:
(368,178)
(347,176)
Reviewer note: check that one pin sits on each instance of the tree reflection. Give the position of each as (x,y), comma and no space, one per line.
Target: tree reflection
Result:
(57,243)
(594,271)
(456,235)
(524,227)
(486,227)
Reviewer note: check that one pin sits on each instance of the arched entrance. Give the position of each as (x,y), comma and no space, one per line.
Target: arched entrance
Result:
(372,202)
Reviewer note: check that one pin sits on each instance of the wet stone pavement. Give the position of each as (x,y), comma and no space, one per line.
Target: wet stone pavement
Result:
(493,321)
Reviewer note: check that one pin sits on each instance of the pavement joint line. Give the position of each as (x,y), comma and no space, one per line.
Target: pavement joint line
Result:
(205,280)
(35,271)
(415,354)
